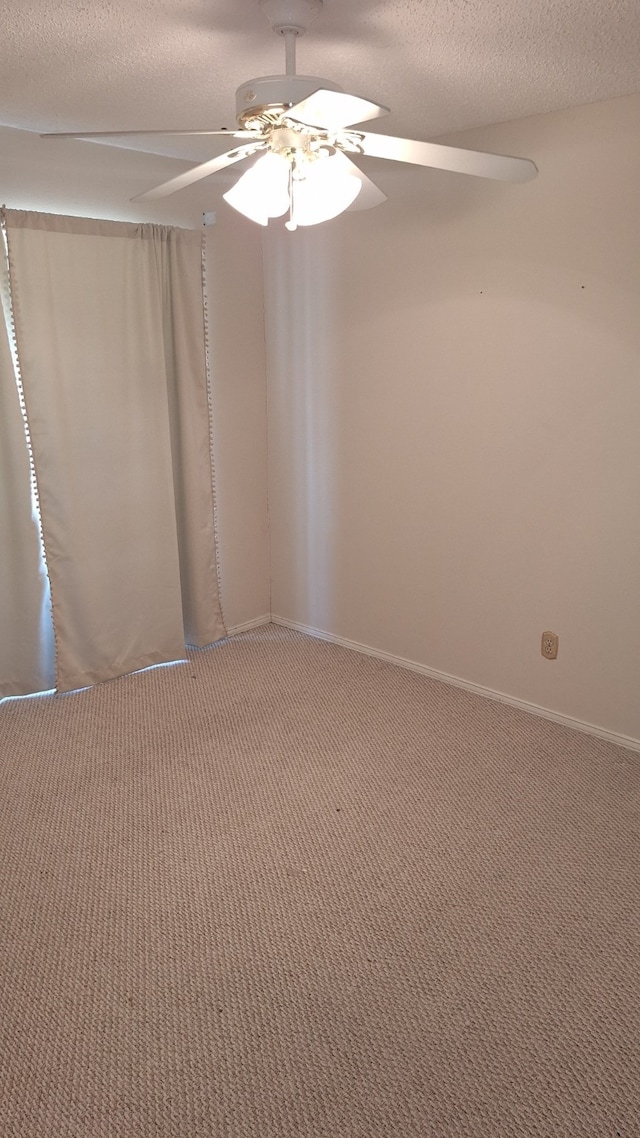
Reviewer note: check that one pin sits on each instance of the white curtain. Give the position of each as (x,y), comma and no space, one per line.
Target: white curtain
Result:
(110,347)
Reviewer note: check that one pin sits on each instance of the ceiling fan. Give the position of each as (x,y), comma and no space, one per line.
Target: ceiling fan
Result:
(305,130)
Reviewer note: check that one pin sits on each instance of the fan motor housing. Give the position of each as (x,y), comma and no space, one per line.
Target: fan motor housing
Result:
(274,93)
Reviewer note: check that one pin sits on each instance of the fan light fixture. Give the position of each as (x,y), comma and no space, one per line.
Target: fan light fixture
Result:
(262,192)
(305,130)
(311,187)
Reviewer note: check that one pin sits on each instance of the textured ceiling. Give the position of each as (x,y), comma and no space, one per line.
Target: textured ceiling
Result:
(441,65)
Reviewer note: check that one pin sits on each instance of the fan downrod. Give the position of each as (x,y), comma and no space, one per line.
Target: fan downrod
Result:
(261,102)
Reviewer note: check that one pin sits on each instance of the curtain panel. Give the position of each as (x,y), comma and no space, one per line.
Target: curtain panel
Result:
(113,402)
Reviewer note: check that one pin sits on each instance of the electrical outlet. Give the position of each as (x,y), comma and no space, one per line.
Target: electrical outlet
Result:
(549,645)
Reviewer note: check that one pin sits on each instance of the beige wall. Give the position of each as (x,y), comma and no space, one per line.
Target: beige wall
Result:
(80,178)
(454,419)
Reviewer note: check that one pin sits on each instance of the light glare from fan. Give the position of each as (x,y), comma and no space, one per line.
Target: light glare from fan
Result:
(311,189)
(325,191)
(263,191)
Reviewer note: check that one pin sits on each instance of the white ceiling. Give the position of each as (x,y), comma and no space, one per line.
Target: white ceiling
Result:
(441,65)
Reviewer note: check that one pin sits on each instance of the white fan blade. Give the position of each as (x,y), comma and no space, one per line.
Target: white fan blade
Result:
(441,157)
(198,172)
(332,110)
(131,133)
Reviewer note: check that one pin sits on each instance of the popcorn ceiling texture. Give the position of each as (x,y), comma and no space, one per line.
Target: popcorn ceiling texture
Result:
(442,66)
(288,891)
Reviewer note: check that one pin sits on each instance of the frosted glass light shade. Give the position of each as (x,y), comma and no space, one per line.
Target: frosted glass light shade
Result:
(321,188)
(262,192)
(327,189)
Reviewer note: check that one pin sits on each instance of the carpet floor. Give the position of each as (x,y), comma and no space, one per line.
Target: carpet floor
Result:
(287,890)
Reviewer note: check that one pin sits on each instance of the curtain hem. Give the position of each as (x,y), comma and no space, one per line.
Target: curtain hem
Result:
(75,682)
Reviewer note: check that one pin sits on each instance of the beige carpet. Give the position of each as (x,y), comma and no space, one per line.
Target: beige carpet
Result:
(289,890)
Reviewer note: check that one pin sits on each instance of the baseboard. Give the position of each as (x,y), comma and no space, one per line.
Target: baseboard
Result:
(257,622)
(477,689)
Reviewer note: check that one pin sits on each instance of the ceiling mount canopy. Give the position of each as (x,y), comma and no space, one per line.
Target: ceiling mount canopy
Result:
(290,15)
(303,133)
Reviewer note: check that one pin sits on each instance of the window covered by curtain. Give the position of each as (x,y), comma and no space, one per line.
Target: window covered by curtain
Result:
(112,407)
(26,633)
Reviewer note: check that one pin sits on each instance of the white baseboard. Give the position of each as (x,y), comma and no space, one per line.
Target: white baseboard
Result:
(257,622)
(477,689)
